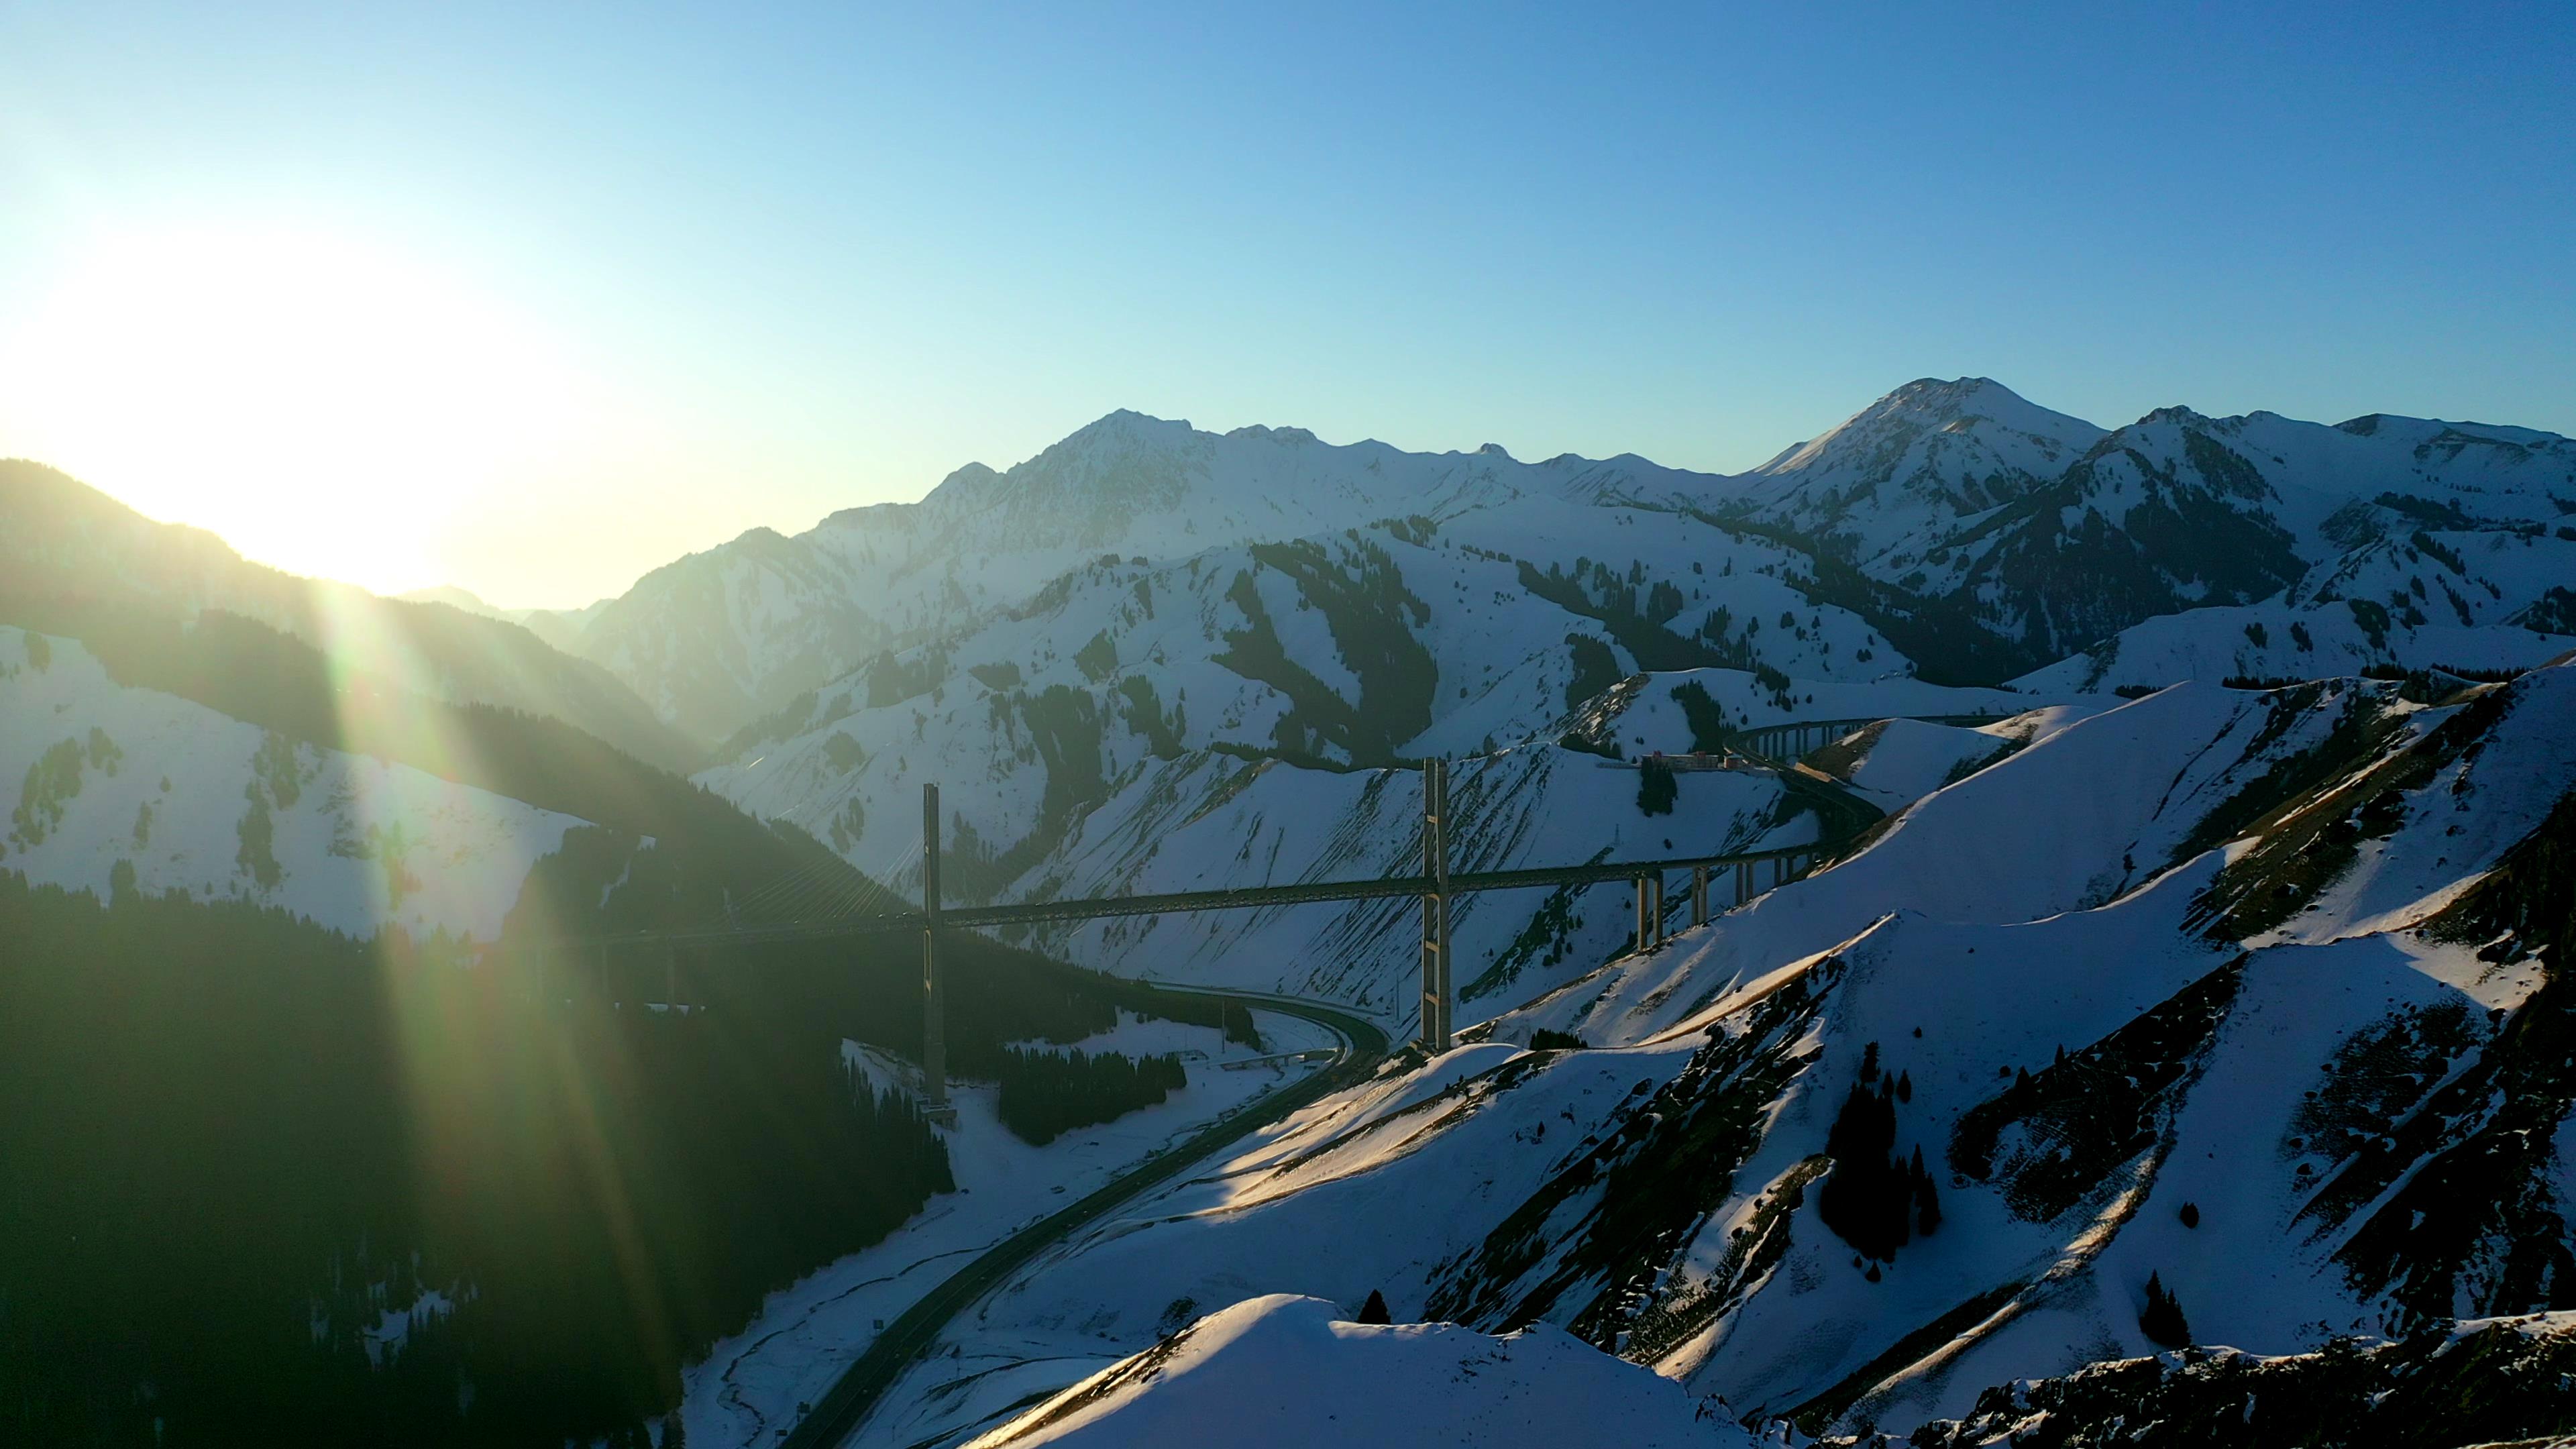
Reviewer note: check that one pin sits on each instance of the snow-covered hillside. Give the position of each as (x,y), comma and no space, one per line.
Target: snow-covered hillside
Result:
(722,637)
(72,556)
(2248,994)
(2390,523)
(1977,532)
(2492,1382)
(1285,1372)
(110,786)
(1904,472)
(1086,651)
(1196,725)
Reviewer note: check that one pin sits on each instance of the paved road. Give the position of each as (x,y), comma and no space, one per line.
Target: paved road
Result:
(867,1378)
(1843,815)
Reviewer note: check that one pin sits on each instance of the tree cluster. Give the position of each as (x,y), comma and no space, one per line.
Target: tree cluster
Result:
(1873,1200)
(1047,1094)
(2161,1320)
(387,1192)
(1657,789)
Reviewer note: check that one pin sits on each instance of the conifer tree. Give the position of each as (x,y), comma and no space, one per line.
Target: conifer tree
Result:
(1927,1199)
(1374,1310)
(1656,787)
(2161,1320)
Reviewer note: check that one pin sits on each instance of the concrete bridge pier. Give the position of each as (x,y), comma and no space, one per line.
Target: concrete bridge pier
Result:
(1699,895)
(1437,1000)
(934,1041)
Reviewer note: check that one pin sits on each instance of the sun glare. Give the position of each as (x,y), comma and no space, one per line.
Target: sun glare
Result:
(325,406)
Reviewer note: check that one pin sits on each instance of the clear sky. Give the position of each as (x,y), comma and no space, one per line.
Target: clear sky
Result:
(532,298)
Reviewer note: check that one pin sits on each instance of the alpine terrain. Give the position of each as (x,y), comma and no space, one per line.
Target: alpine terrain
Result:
(2148,1017)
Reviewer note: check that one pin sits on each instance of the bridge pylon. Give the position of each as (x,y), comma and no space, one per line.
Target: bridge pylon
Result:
(934,1042)
(1437,997)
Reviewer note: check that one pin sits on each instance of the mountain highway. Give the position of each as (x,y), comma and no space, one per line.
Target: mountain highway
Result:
(847,1404)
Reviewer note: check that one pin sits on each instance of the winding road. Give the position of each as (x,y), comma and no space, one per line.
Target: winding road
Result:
(912,1332)
(1843,815)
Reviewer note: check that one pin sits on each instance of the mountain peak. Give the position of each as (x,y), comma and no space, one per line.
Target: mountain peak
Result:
(448,594)
(1282,435)
(2176,414)
(1127,424)
(1935,405)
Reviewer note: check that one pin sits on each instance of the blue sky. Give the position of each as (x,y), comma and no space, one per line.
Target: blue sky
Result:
(758,267)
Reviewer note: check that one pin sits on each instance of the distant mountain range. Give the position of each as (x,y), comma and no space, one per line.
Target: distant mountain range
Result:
(1982,535)
(1149,630)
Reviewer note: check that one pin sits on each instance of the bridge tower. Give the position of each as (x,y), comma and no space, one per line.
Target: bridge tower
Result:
(934,1043)
(1437,1000)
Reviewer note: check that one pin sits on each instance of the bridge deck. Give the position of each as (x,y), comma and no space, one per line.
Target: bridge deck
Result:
(1308,892)
(1240,898)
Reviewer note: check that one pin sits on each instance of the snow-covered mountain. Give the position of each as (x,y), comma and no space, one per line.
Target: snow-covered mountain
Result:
(1981,535)
(1282,1372)
(69,554)
(720,638)
(559,628)
(1914,467)
(1238,718)
(1108,639)
(2256,996)
(2492,1382)
(124,788)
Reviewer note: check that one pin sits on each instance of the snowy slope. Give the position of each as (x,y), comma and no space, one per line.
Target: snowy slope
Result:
(2251,953)
(1191,726)
(1983,529)
(751,1382)
(1902,473)
(2179,510)
(2280,640)
(68,551)
(2489,1381)
(99,776)
(1283,1371)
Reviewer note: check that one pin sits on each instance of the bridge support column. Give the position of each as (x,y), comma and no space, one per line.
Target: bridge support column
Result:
(1655,908)
(1437,998)
(934,1043)
(1743,881)
(1699,895)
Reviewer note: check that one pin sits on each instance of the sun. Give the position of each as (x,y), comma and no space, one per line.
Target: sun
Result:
(326,405)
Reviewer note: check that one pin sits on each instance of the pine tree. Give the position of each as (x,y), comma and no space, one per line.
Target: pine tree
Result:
(1927,1200)
(1374,1310)
(1867,1198)
(2161,1320)
(1656,787)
